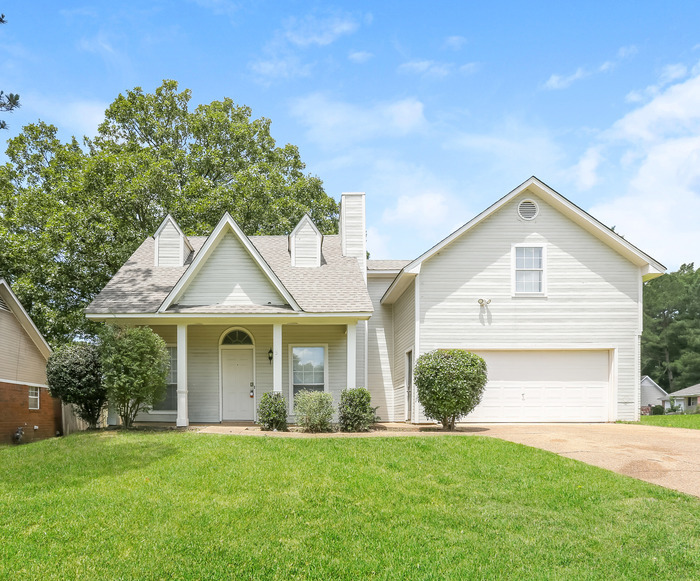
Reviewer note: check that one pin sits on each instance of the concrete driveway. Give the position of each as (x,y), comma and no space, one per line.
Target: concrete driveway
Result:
(669,457)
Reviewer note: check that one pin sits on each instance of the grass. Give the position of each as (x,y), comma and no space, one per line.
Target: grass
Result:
(691,421)
(145,505)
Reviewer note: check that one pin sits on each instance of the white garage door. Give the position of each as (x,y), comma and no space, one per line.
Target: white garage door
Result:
(545,386)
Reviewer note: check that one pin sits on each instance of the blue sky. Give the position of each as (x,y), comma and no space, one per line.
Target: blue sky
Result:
(434,109)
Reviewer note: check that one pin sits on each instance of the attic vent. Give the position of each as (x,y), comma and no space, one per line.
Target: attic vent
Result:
(3,305)
(527,209)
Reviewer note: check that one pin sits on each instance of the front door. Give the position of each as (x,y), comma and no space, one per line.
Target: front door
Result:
(237,384)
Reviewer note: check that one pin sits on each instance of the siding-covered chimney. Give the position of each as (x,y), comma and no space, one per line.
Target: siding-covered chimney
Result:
(353,233)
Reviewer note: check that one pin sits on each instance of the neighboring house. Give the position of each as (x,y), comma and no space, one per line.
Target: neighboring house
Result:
(686,398)
(652,392)
(550,297)
(24,396)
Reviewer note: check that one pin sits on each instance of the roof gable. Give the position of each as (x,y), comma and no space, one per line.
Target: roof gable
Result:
(305,243)
(247,279)
(650,267)
(10,300)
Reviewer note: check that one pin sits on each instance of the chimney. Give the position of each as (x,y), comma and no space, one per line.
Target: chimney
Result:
(353,233)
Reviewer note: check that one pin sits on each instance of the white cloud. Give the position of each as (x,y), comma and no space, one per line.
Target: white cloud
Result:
(337,123)
(79,117)
(511,151)
(455,42)
(321,31)
(657,148)
(562,82)
(585,171)
(426,68)
(558,82)
(360,56)
(377,243)
(225,7)
(669,74)
(281,67)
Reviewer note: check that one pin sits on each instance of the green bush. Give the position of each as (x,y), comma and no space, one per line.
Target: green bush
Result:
(272,411)
(314,410)
(135,364)
(355,412)
(450,383)
(657,410)
(74,375)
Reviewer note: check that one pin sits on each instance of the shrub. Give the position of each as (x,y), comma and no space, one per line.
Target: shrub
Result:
(74,375)
(355,412)
(657,410)
(314,410)
(450,383)
(272,411)
(135,364)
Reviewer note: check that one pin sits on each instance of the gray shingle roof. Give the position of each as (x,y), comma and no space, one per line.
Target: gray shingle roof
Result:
(386,264)
(337,286)
(691,391)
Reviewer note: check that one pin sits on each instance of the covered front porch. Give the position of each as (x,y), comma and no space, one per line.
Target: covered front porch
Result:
(221,368)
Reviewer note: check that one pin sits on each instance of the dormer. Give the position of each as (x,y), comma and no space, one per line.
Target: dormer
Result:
(305,243)
(171,245)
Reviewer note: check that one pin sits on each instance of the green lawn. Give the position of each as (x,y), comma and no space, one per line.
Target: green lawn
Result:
(169,505)
(682,421)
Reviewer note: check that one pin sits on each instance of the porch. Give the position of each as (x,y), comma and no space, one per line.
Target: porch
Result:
(219,371)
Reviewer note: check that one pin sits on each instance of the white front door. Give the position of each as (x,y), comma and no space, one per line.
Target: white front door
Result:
(237,384)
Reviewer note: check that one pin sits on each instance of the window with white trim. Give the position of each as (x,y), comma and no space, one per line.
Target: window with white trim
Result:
(308,369)
(529,270)
(692,401)
(169,402)
(33,398)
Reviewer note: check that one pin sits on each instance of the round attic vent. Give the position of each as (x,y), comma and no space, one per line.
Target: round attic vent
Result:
(527,209)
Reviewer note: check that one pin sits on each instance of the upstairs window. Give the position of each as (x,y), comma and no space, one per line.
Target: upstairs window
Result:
(529,269)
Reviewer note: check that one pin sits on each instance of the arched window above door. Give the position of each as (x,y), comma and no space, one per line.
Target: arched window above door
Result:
(237,337)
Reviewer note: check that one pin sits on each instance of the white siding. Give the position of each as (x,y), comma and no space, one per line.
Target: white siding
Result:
(169,246)
(592,294)
(404,336)
(230,276)
(650,394)
(306,246)
(20,359)
(352,228)
(380,350)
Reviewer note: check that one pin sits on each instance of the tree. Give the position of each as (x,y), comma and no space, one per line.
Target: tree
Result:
(74,375)
(8,101)
(450,383)
(671,337)
(71,216)
(135,365)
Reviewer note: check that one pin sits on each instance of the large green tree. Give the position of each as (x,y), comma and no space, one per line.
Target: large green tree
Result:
(71,215)
(671,338)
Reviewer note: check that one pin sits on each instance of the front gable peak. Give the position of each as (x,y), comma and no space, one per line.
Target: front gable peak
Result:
(229,270)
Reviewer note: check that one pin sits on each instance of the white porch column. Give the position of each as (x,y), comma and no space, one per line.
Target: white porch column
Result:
(183,418)
(352,356)
(277,357)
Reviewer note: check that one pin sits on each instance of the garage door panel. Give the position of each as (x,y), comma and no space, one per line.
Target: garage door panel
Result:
(542,386)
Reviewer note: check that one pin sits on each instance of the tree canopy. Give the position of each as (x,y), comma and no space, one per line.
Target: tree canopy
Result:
(71,214)
(671,338)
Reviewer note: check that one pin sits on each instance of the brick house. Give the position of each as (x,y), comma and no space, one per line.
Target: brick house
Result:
(24,396)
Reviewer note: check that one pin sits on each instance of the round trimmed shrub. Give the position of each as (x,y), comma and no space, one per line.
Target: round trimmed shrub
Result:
(355,412)
(314,410)
(74,375)
(450,383)
(272,412)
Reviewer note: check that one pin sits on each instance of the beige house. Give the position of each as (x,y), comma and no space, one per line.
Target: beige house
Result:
(25,401)
(550,297)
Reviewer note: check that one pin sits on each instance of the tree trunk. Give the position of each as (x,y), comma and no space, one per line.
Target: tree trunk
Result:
(669,371)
